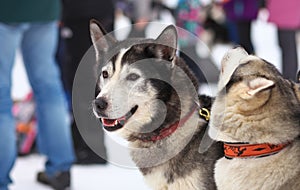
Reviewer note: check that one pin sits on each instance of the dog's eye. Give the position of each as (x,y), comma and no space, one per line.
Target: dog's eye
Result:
(104,74)
(132,77)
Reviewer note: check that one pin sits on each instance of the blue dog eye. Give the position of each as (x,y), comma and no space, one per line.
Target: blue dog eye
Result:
(132,77)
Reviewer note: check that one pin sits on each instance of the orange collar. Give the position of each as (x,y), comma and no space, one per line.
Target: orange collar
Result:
(243,150)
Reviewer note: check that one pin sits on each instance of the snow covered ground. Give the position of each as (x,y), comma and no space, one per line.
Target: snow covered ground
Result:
(114,177)
(94,177)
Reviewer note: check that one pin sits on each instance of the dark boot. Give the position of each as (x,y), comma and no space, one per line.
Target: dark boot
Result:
(60,181)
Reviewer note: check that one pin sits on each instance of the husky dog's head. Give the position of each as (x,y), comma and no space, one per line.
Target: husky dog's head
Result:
(136,92)
(255,103)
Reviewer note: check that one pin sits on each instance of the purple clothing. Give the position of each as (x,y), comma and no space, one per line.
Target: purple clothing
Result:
(241,10)
(284,13)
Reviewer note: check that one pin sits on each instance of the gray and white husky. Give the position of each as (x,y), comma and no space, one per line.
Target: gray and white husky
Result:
(257,115)
(148,95)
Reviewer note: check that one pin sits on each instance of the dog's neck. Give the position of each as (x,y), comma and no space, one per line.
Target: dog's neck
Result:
(172,128)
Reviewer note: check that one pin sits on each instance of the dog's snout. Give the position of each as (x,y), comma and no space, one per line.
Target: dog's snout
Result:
(100,104)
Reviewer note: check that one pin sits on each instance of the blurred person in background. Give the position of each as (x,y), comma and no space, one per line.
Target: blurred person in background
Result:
(75,36)
(140,16)
(286,16)
(190,17)
(240,14)
(32,26)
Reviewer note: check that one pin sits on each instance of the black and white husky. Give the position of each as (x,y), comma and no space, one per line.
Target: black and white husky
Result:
(148,95)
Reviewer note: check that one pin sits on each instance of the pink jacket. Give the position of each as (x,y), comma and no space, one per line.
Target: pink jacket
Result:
(284,13)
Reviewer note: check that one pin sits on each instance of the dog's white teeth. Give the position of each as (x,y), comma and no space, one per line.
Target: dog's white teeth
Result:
(116,122)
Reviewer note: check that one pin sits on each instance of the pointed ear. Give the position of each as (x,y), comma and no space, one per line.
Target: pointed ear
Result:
(259,84)
(101,40)
(168,40)
(298,77)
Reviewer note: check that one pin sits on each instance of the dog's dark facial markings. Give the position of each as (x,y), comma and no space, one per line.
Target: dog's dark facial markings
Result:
(148,57)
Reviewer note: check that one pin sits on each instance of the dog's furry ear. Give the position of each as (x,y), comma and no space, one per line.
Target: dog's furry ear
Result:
(168,41)
(100,38)
(259,84)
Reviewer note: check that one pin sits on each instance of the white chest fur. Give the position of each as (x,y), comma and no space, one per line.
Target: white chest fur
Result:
(157,181)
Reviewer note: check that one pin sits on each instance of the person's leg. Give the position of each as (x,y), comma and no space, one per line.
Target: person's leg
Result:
(287,43)
(232,31)
(10,36)
(54,137)
(76,46)
(244,32)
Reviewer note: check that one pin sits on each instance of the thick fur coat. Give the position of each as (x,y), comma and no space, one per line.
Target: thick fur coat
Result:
(144,92)
(255,105)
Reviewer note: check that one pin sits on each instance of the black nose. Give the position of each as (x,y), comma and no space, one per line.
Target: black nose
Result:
(100,104)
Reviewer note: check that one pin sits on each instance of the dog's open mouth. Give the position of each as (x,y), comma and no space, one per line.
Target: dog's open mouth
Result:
(114,124)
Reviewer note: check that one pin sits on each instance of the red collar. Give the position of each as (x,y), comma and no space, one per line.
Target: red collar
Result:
(171,129)
(240,150)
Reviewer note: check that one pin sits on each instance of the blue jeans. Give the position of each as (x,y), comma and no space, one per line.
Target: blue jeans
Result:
(38,43)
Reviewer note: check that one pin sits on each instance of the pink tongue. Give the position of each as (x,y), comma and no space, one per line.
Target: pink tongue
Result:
(108,122)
